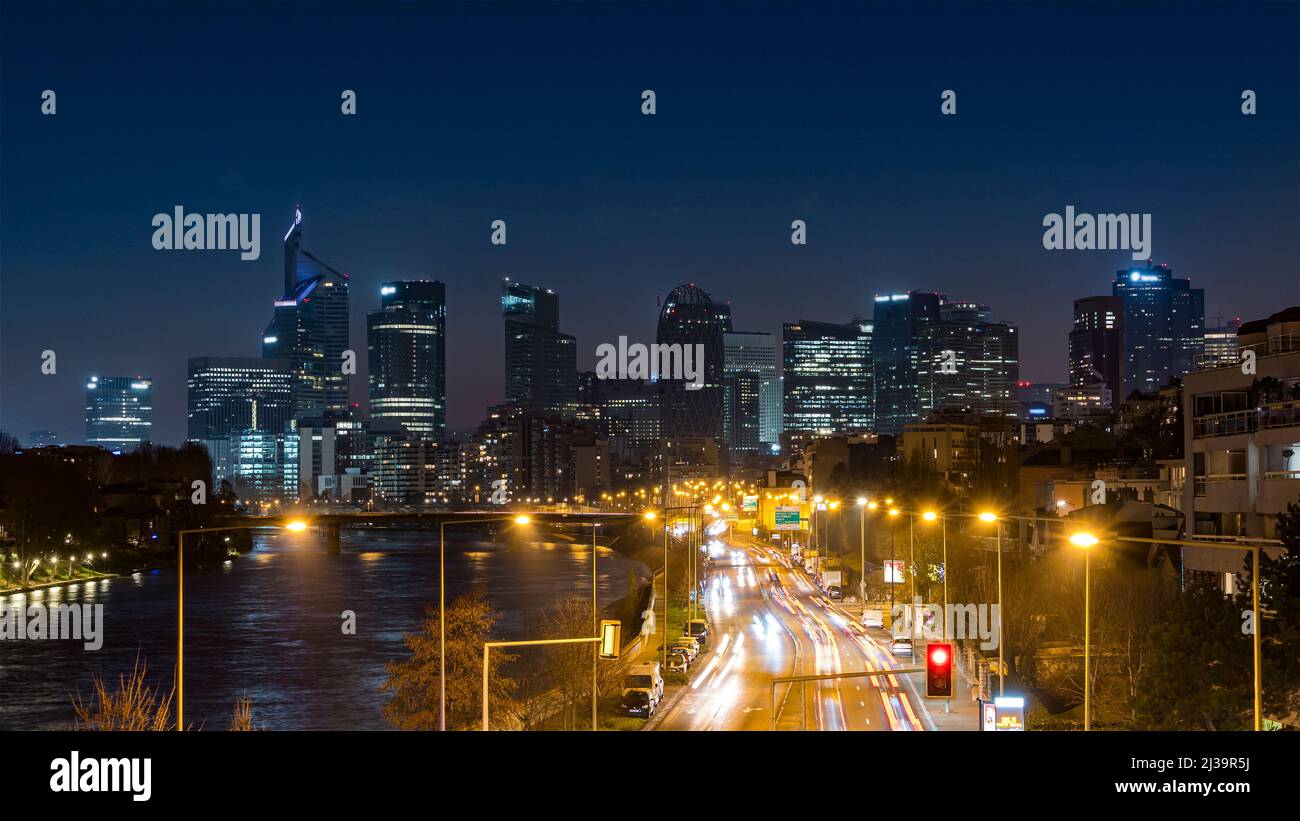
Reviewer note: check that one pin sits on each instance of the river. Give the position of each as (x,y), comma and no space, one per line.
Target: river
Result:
(269,624)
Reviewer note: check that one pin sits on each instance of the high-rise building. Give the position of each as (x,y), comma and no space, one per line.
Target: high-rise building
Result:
(1164,320)
(226,392)
(690,318)
(119,412)
(310,328)
(748,362)
(629,417)
(263,467)
(828,376)
(1097,343)
(1220,344)
(967,361)
(541,364)
(900,325)
(407,345)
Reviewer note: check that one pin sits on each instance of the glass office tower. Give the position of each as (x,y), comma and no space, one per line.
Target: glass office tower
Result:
(407,346)
(900,324)
(828,378)
(1164,322)
(310,328)
(690,318)
(541,364)
(119,412)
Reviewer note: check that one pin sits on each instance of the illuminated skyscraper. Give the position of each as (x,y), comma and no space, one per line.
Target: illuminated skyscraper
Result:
(690,319)
(119,412)
(407,343)
(1097,343)
(225,392)
(310,328)
(749,362)
(1164,321)
(541,364)
(900,325)
(827,376)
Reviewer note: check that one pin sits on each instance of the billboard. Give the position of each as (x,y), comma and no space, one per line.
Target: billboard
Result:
(787,518)
(893,571)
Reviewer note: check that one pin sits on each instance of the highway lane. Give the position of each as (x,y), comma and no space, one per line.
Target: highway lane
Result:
(769,620)
(748,647)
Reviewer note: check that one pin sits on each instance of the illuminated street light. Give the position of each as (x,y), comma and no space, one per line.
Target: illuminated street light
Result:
(989,516)
(522,520)
(1086,540)
(862,501)
(297,526)
(929,515)
(650,515)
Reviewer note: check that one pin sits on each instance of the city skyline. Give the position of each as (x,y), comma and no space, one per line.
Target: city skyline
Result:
(894,198)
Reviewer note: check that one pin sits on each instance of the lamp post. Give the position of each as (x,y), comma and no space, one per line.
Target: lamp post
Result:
(989,516)
(296,525)
(521,519)
(1086,541)
(862,549)
(893,514)
(930,516)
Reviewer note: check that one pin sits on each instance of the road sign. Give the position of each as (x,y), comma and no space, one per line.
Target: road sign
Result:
(749,504)
(787,518)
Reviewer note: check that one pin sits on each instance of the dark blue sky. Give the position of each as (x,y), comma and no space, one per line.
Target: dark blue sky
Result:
(531,113)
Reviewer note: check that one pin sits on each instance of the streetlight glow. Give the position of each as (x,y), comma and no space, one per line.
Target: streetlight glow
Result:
(297,525)
(1083,539)
(861,501)
(988,516)
(522,520)
(929,515)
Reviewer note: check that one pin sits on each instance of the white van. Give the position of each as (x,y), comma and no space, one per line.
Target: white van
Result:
(646,677)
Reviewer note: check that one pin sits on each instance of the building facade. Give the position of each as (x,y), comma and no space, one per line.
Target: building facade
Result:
(827,376)
(541,363)
(1164,321)
(225,393)
(1096,346)
(690,319)
(406,341)
(900,323)
(309,328)
(119,412)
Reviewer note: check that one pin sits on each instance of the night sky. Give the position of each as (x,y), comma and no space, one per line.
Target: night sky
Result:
(531,114)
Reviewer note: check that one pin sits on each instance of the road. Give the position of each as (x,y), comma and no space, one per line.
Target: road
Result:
(768,620)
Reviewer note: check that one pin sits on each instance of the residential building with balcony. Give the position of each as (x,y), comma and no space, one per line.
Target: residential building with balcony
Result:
(1242,433)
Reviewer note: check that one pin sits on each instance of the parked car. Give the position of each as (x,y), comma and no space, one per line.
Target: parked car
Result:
(698,629)
(688,644)
(678,661)
(834,593)
(873,617)
(637,703)
(644,677)
(901,647)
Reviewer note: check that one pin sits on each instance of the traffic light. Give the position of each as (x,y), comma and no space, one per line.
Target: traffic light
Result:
(938,671)
(611,632)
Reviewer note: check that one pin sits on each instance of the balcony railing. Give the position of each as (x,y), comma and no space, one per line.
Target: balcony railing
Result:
(1273,415)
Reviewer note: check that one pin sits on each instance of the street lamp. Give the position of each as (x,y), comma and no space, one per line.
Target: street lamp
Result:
(930,516)
(991,517)
(522,519)
(296,525)
(1085,540)
(893,514)
(862,547)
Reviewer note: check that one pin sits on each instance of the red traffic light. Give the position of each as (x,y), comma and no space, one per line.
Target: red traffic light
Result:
(938,671)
